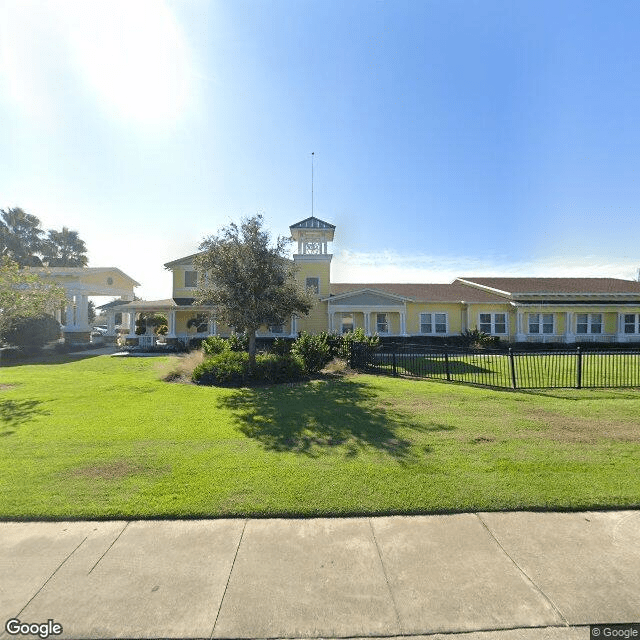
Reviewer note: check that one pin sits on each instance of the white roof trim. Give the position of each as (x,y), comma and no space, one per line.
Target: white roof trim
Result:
(380,292)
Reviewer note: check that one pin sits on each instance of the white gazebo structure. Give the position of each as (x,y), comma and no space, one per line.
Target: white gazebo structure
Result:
(79,284)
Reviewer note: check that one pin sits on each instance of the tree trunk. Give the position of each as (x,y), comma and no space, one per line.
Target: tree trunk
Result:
(252,349)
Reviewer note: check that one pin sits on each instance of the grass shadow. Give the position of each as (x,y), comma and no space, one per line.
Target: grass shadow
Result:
(52,357)
(320,416)
(13,413)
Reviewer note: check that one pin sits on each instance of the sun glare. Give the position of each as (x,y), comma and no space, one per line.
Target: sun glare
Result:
(134,56)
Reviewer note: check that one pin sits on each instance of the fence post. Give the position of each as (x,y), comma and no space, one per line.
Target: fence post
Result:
(512,364)
(578,368)
(446,366)
(394,364)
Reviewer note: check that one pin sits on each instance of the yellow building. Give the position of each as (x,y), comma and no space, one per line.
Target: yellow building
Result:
(562,310)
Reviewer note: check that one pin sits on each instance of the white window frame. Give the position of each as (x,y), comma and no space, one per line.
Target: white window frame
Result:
(315,286)
(430,318)
(190,286)
(542,324)
(345,315)
(592,320)
(493,322)
(382,325)
(634,324)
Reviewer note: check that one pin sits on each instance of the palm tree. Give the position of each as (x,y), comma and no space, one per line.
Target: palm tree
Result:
(20,236)
(64,249)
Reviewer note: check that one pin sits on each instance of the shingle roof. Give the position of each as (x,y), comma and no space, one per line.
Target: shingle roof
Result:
(148,304)
(312,223)
(558,285)
(423,292)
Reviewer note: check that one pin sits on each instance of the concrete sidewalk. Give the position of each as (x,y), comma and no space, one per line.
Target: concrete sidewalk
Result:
(504,576)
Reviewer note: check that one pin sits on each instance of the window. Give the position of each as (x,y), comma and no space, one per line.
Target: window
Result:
(347,323)
(313,284)
(190,278)
(493,323)
(433,323)
(541,323)
(632,322)
(382,325)
(589,323)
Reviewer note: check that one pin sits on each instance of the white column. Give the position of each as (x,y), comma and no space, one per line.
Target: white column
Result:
(403,323)
(83,312)
(520,335)
(330,314)
(569,335)
(211,326)
(132,324)
(294,326)
(620,335)
(367,322)
(70,323)
(111,323)
(171,324)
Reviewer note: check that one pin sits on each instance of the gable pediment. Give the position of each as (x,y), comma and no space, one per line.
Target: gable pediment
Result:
(367,298)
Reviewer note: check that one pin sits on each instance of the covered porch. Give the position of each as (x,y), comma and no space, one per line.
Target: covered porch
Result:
(184,323)
(370,310)
(81,283)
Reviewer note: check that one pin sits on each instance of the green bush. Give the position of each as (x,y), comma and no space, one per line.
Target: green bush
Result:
(356,336)
(281,346)
(476,339)
(32,332)
(238,341)
(214,345)
(313,350)
(225,369)
(231,369)
(272,368)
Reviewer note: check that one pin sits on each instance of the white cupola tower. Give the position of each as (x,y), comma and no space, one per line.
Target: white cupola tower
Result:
(312,235)
(313,258)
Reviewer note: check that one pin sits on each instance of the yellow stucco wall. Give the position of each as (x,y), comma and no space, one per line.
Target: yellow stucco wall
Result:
(476,309)
(316,321)
(179,290)
(311,269)
(452,310)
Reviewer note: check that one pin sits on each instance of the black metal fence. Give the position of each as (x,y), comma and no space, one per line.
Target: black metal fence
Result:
(567,368)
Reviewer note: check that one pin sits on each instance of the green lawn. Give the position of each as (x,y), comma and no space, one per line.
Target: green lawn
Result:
(105,437)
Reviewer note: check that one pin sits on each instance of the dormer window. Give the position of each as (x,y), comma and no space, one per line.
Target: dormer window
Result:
(190,279)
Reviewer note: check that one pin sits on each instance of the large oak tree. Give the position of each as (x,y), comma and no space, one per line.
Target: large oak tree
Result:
(249,281)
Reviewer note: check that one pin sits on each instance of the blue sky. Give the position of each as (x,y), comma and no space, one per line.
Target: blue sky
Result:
(450,137)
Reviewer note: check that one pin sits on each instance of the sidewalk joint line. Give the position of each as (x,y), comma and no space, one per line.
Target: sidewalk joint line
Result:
(226,586)
(51,576)
(386,578)
(109,548)
(524,573)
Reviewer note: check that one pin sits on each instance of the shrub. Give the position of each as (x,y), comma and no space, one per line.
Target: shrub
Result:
(238,341)
(32,332)
(281,347)
(313,350)
(181,369)
(272,368)
(231,369)
(214,345)
(357,336)
(476,339)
